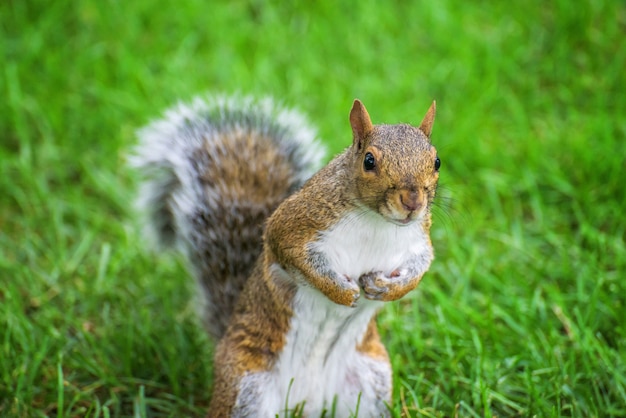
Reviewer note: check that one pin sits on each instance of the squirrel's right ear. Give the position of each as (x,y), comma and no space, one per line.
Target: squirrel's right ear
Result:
(360,122)
(427,123)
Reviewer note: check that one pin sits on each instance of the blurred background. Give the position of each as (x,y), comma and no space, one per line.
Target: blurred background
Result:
(523,311)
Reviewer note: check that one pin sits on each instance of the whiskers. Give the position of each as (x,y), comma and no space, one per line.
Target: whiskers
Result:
(449,210)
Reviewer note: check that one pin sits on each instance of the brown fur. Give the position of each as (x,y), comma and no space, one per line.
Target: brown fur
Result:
(371,344)
(253,340)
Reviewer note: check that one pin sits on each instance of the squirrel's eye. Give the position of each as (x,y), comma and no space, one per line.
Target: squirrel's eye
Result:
(437,163)
(369,163)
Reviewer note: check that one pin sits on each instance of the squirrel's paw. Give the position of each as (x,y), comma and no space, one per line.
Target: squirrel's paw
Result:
(353,288)
(346,292)
(379,286)
(375,285)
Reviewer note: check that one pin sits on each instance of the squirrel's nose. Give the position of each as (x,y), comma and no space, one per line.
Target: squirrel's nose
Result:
(410,200)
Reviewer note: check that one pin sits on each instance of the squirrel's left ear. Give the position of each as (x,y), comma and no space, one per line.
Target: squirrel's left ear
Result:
(427,123)
(360,122)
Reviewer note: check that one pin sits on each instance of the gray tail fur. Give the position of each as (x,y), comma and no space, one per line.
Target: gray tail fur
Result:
(213,171)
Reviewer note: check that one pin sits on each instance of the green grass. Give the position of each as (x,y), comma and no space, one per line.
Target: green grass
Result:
(523,311)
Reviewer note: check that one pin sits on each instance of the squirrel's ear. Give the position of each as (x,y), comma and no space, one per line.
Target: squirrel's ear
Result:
(427,123)
(360,122)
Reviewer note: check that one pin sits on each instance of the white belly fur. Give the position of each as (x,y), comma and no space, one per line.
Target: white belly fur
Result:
(320,366)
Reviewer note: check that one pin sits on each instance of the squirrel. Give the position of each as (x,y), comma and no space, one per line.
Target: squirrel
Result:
(292,263)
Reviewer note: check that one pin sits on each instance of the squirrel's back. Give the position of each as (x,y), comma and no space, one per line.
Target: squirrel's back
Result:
(213,172)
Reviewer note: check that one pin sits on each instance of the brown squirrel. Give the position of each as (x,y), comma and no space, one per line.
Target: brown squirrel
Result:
(293,307)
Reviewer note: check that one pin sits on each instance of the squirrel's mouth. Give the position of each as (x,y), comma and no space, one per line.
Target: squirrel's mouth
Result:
(400,218)
(411,217)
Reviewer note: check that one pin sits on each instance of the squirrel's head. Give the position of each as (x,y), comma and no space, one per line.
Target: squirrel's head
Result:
(396,167)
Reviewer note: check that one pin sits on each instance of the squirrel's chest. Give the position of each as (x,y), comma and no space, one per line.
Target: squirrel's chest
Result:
(362,243)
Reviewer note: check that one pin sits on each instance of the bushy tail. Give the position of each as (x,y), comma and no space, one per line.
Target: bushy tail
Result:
(213,172)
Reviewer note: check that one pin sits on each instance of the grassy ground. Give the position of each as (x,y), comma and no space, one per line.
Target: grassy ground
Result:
(523,311)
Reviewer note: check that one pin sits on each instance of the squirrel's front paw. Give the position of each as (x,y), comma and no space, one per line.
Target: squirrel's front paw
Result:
(375,285)
(379,286)
(347,291)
